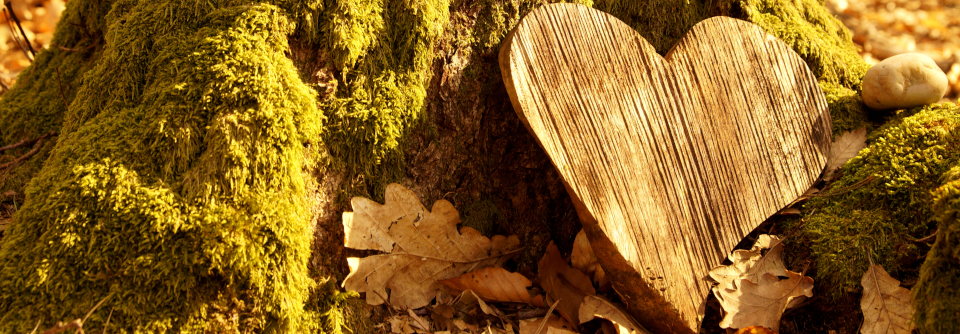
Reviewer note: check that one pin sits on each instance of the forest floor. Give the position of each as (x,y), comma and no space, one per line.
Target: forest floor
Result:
(881,27)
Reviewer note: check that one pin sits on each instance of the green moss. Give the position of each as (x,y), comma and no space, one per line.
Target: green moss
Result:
(35,105)
(809,28)
(883,197)
(382,52)
(936,297)
(177,186)
(846,108)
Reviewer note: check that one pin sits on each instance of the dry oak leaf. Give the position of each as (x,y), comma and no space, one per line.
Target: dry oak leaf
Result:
(495,285)
(886,306)
(594,306)
(554,325)
(751,264)
(844,148)
(584,259)
(582,256)
(423,247)
(762,303)
(563,283)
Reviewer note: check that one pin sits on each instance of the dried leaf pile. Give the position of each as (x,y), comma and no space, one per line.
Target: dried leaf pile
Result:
(456,282)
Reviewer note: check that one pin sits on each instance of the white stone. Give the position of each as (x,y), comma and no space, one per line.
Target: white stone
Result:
(903,81)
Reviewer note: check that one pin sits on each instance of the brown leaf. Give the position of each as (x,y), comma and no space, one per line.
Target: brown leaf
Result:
(495,285)
(752,263)
(594,306)
(554,325)
(761,303)
(582,256)
(423,247)
(563,283)
(844,148)
(886,306)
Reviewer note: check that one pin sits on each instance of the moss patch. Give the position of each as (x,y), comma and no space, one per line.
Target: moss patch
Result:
(883,197)
(381,52)
(176,192)
(35,106)
(936,296)
(809,28)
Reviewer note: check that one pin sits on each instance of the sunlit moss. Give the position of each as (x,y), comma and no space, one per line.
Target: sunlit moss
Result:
(883,198)
(37,103)
(936,297)
(176,192)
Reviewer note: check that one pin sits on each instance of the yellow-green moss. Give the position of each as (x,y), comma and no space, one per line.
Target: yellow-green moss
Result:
(846,108)
(883,197)
(35,105)
(936,297)
(809,28)
(177,186)
(382,52)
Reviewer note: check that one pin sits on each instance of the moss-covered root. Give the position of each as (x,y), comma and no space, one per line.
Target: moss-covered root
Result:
(382,52)
(883,198)
(176,193)
(936,297)
(37,103)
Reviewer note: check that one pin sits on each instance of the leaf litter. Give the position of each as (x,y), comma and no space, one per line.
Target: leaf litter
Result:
(750,289)
(885,304)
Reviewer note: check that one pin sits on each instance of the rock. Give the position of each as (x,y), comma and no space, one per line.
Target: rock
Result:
(903,81)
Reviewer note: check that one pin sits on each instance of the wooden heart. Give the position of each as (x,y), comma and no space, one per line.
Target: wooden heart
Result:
(670,162)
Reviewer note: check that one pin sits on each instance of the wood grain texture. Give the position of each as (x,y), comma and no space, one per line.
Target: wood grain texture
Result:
(673,160)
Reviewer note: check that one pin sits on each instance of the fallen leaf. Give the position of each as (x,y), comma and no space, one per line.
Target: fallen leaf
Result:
(419,323)
(400,324)
(845,148)
(584,259)
(755,330)
(885,304)
(554,325)
(752,263)
(582,256)
(423,247)
(468,299)
(594,306)
(564,284)
(495,285)
(762,303)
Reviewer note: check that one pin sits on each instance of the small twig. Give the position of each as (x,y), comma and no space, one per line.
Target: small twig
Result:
(22,158)
(72,49)
(847,189)
(9,6)
(547,316)
(13,32)
(108,321)
(78,323)
(37,326)
(925,239)
(27,142)
(95,307)
(62,95)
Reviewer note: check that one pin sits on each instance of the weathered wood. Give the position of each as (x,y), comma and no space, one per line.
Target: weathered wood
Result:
(670,162)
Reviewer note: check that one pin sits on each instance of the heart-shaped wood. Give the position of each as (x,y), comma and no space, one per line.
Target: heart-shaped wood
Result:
(670,162)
